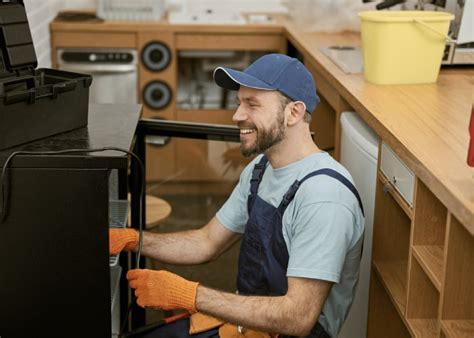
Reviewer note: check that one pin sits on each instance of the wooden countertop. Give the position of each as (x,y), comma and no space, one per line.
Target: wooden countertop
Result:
(154,26)
(426,124)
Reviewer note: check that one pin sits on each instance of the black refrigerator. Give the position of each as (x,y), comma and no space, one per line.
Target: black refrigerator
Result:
(54,261)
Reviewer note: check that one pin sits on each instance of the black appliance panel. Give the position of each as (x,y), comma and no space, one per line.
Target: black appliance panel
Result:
(53,254)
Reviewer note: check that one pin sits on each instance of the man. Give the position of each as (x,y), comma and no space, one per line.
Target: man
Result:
(298,212)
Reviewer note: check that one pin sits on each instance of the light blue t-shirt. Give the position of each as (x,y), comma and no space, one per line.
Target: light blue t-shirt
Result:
(323,227)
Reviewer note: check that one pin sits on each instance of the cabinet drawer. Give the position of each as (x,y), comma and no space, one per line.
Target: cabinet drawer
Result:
(93,40)
(398,174)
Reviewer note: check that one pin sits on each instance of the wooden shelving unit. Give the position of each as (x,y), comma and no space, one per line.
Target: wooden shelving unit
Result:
(422,267)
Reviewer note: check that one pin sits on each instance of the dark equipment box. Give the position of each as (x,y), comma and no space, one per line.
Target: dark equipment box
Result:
(34,103)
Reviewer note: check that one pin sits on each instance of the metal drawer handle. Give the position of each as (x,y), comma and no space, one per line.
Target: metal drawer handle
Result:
(386,186)
(100,69)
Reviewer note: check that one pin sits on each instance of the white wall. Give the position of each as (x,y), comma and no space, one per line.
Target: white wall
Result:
(42,12)
(230,5)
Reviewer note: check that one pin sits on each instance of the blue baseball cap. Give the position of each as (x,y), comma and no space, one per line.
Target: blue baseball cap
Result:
(273,72)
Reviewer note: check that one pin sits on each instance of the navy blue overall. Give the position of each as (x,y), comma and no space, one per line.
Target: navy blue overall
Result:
(263,259)
(263,256)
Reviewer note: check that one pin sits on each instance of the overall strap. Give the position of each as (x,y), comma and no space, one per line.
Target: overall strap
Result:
(290,194)
(257,174)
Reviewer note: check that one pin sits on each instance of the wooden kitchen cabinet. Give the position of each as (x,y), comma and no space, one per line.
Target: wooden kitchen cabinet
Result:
(422,264)
(233,41)
(161,162)
(80,39)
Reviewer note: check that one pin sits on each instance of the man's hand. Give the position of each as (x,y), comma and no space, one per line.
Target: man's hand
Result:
(162,289)
(122,239)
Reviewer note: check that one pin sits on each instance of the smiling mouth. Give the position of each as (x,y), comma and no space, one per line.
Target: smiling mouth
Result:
(245,131)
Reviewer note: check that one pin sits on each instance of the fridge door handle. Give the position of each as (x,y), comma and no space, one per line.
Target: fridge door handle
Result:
(100,69)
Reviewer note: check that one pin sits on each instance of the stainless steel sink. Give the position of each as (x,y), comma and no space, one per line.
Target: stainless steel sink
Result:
(347,58)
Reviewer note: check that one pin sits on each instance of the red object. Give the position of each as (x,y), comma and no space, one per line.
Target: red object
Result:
(470,152)
(174,318)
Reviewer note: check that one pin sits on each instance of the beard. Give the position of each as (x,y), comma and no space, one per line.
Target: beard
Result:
(266,137)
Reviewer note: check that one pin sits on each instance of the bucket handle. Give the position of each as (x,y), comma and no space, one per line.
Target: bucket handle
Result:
(444,36)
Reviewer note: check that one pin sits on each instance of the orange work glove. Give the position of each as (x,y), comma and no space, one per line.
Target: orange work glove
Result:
(122,239)
(162,289)
(200,322)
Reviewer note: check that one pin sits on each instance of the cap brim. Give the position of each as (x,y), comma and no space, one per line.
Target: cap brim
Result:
(232,79)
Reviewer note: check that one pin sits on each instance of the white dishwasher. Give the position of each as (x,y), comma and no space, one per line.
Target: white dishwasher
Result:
(359,152)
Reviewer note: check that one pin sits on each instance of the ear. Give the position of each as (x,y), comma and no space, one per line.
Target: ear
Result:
(297,110)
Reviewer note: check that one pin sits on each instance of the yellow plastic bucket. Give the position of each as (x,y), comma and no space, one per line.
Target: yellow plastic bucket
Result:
(402,47)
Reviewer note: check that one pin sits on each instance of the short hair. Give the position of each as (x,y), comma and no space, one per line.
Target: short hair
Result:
(284,100)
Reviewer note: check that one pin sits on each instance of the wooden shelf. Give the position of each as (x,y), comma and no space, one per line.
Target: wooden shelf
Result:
(430,258)
(458,328)
(423,328)
(393,276)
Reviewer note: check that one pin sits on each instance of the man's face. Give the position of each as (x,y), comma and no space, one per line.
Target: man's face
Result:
(261,120)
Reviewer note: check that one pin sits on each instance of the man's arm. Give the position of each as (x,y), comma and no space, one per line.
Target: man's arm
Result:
(189,247)
(292,314)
